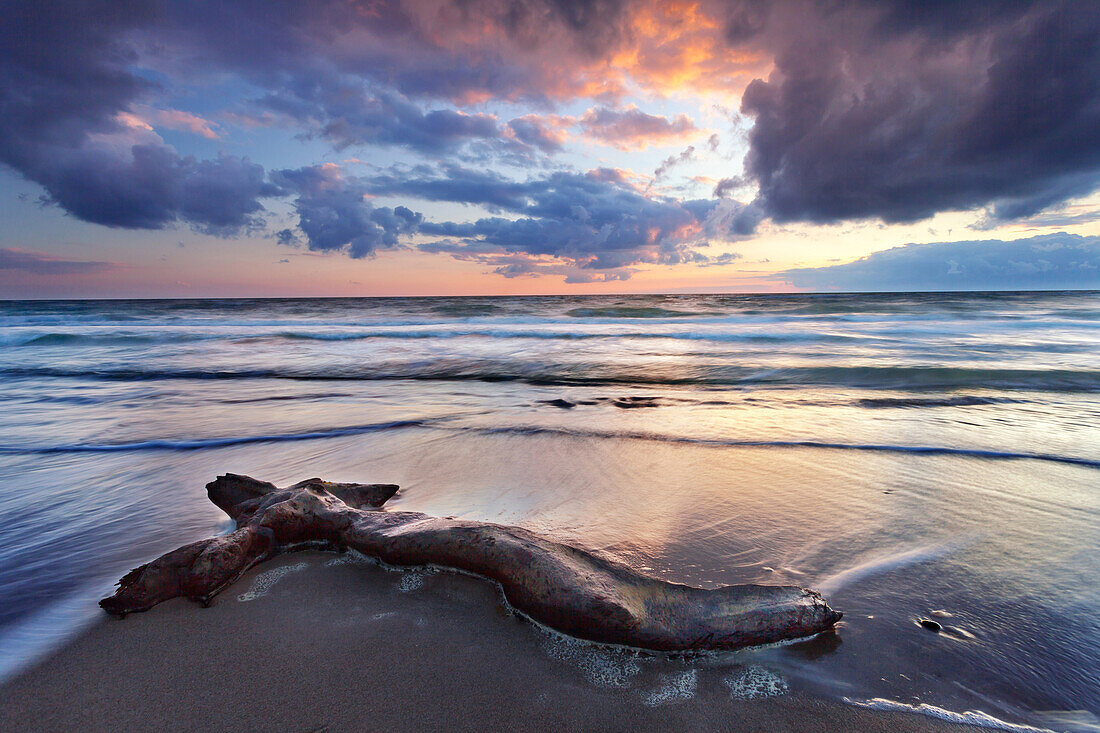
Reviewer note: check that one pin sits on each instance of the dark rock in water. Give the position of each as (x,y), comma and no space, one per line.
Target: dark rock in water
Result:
(930,624)
(629,403)
(557,585)
(563,404)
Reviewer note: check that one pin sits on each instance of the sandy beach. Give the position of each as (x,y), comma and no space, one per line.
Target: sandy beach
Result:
(322,642)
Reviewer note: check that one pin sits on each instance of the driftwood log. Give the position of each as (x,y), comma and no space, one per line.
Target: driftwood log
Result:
(562,587)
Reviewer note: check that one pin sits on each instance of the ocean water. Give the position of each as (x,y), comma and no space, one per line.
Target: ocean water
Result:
(911,455)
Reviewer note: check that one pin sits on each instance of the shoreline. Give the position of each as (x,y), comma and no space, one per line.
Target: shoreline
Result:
(317,641)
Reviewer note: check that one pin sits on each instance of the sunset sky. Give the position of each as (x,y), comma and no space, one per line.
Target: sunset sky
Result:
(444,147)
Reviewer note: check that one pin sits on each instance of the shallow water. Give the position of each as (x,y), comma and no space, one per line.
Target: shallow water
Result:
(906,453)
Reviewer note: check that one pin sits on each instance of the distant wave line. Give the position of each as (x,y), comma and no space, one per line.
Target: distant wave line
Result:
(68,339)
(933,319)
(735,443)
(890,332)
(202,443)
(870,377)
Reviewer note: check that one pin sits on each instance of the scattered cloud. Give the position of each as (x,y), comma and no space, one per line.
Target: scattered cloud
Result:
(334,216)
(563,223)
(347,113)
(177,119)
(632,129)
(684,156)
(38,263)
(726,258)
(545,132)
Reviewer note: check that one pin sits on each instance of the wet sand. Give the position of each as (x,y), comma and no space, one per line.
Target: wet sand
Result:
(319,642)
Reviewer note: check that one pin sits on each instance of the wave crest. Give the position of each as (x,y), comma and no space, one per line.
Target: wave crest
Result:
(908,378)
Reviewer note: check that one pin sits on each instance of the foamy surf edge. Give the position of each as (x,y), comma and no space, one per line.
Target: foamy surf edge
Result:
(32,638)
(970,717)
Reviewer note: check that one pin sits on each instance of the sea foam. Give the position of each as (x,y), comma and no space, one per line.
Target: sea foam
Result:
(970,717)
(265,581)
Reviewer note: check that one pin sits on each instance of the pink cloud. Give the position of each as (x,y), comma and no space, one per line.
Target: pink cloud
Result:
(632,129)
(176,119)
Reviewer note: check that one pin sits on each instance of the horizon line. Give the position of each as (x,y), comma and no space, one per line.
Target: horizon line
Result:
(567,295)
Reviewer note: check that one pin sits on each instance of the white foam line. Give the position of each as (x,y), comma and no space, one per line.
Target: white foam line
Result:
(970,717)
(349,557)
(263,582)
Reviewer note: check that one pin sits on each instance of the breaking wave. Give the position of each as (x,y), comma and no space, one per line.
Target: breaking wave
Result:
(623,311)
(932,450)
(202,443)
(439,423)
(707,374)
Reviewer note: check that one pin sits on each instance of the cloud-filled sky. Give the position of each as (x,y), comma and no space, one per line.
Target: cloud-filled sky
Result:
(382,147)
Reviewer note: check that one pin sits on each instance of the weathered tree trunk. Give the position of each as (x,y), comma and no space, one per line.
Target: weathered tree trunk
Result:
(557,585)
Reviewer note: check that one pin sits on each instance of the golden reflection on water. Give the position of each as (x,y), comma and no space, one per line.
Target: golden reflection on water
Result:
(700,513)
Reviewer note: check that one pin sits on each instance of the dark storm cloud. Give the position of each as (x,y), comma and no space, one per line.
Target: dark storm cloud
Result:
(37,263)
(63,72)
(64,81)
(334,216)
(943,18)
(901,110)
(890,109)
(343,72)
(597,23)
(564,223)
(894,110)
(579,217)
(745,20)
(458,50)
(456,184)
(151,186)
(348,114)
(1050,262)
(600,196)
